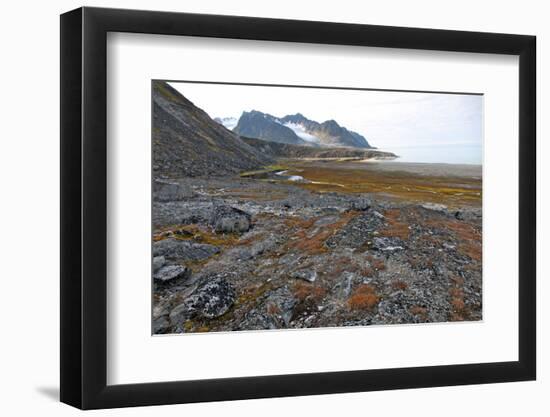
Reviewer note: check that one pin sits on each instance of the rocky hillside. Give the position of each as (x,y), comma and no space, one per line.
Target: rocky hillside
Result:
(263,126)
(283,150)
(187,142)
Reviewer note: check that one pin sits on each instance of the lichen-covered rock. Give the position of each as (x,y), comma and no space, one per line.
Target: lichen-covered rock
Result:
(227,219)
(158,262)
(161,325)
(388,244)
(169,191)
(171,273)
(212,298)
(309,275)
(255,249)
(280,305)
(183,249)
(360,204)
(357,232)
(434,206)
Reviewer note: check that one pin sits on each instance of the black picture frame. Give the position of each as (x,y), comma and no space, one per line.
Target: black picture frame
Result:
(84,207)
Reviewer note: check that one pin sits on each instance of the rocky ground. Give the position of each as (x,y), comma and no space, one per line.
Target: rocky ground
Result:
(250,254)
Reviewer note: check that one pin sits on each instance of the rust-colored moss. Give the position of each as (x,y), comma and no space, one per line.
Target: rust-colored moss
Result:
(395,227)
(363,298)
(399,285)
(303,291)
(315,244)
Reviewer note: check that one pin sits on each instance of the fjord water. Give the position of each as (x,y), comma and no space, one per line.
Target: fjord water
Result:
(445,153)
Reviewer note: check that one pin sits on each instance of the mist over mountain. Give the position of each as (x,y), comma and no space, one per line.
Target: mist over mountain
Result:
(294,129)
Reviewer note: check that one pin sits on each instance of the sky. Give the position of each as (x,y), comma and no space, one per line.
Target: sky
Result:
(419,127)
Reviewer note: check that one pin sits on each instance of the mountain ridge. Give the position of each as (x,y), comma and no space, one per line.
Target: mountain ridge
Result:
(296,129)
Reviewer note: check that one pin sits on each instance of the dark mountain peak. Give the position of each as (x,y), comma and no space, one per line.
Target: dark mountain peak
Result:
(257,113)
(255,124)
(297,118)
(330,123)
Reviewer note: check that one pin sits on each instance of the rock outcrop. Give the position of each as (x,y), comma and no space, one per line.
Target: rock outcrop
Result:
(227,219)
(212,298)
(183,250)
(165,191)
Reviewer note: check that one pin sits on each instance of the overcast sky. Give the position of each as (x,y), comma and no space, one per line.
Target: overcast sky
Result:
(421,127)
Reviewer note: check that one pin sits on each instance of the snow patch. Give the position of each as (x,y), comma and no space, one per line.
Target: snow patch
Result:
(228,122)
(290,177)
(301,132)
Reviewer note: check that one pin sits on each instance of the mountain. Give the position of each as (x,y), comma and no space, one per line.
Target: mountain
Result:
(285,150)
(328,133)
(228,122)
(296,130)
(255,124)
(187,142)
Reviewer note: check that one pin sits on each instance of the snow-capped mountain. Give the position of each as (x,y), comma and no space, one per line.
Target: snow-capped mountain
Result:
(328,133)
(228,122)
(294,129)
(258,125)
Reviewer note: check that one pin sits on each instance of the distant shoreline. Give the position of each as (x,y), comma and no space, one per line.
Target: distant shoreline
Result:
(439,169)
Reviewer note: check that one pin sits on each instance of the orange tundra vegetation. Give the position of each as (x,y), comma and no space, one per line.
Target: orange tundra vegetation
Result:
(363,298)
(315,244)
(419,311)
(468,236)
(303,291)
(399,285)
(395,227)
(377,264)
(456,294)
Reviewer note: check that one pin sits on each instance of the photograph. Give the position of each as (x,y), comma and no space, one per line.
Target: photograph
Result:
(286,207)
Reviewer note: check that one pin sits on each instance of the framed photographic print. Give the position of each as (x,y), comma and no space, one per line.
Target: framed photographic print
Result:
(257,208)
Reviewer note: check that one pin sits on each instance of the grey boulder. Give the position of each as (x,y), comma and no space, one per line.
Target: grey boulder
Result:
(183,249)
(227,219)
(165,191)
(360,204)
(171,272)
(388,244)
(213,297)
(305,274)
(280,303)
(255,249)
(158,262)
